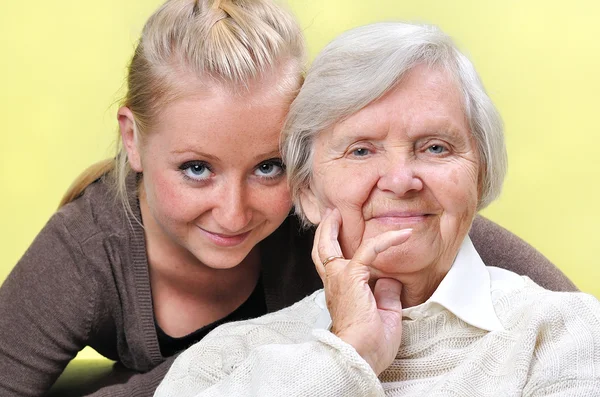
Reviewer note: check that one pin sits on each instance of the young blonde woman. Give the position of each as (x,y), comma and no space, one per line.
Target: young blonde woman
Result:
(188,227)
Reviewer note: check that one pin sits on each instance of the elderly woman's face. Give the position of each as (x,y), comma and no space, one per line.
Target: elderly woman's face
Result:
(407,160)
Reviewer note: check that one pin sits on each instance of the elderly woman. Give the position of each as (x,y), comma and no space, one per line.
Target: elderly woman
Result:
(392,146)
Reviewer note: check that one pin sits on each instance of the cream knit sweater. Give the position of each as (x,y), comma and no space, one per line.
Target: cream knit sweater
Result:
(550,346)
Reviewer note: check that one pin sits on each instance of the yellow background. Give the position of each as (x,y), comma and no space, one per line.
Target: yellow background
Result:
(63,64)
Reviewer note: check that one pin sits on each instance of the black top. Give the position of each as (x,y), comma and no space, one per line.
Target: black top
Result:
(254,306)
(85,281)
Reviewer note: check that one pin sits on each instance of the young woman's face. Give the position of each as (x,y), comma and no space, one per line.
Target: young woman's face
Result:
(213,180)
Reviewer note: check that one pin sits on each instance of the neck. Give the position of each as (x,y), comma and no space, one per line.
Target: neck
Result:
(186,294)
(418,286)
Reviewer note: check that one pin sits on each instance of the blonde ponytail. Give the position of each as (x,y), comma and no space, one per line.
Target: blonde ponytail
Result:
(88,176)
(225,42)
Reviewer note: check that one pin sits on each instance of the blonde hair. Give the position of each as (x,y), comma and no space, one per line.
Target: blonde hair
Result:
(225,42)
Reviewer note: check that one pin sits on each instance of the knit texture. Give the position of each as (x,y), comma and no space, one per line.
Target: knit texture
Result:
(274,355)
(84,282)
(550,347)
(551,341)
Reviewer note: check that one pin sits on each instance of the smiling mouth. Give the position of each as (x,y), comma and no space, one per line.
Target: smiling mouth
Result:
(403,218)
(225,240)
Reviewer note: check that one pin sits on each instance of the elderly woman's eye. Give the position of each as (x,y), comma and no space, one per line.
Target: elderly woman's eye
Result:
(436,149)
(360,152)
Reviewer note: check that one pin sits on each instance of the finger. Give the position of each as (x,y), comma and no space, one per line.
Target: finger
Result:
(387,296)
(315,255)
(327,244)
(315,249)
(369,249)
(318,262)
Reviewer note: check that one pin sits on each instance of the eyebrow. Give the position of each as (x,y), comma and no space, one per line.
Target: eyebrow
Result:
(269,155)
(345,134)
(194,152)
(257,158)
(448,129)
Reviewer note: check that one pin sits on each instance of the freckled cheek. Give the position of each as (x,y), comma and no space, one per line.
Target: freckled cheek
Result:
(176,202)
(454,177)
(274,202)
(456,190)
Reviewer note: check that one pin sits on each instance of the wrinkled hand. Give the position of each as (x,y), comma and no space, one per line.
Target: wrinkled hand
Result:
(370,321)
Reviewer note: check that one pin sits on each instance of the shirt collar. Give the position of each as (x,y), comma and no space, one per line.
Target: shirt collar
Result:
(465,291)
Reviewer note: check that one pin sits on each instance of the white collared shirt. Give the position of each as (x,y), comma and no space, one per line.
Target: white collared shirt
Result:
(467,291)
(549,345)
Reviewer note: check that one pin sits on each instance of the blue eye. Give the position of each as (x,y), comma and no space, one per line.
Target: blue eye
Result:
(436,149)
(196,170)
(361,152)
(270,169)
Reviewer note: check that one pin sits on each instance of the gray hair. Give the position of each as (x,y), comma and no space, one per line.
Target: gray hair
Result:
(363,64)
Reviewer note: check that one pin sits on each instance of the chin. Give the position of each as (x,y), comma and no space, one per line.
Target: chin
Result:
(401,260)
(222,260)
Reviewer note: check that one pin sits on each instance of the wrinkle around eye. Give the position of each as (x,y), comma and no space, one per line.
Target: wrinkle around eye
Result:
(327,157)
(367,149)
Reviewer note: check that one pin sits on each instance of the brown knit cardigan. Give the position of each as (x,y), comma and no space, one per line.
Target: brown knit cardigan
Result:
(84,282)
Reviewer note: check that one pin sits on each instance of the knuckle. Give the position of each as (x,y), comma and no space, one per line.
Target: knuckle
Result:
(359,263)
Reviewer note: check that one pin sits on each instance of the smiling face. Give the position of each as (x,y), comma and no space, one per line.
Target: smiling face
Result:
(213,183)
(407,160)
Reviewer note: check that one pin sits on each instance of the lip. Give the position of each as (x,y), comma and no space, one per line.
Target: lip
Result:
(225,240)
(403,218)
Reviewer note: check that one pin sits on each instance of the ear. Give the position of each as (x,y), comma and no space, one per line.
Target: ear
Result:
(310,206)
(129,138)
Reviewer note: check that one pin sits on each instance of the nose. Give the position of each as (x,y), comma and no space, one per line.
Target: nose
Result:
(400,177)
(232,211)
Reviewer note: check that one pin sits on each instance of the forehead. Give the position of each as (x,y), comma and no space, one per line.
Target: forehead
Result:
(223,124)
(212,97)
(425,99)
